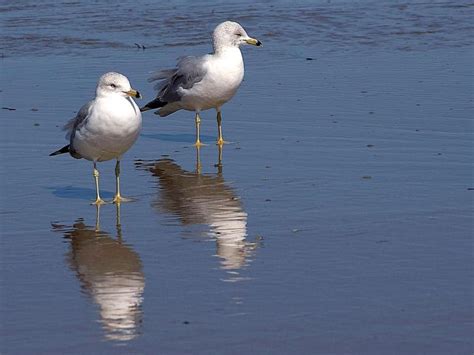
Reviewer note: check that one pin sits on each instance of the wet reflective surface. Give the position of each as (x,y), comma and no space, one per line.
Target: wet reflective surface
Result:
(338,221)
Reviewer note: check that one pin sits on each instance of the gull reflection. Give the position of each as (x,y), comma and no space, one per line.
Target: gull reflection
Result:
(110,272)
(204,199)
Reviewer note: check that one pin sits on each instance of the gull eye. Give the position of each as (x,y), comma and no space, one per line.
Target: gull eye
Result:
(238,34)
(113,86)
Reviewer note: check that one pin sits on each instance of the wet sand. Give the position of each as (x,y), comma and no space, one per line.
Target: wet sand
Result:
(338,221)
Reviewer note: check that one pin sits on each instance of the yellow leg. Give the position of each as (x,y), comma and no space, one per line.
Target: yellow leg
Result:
(198,130)
(220,139)
(98,200)
(118,197)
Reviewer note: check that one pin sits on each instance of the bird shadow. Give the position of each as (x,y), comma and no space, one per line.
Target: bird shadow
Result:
(179,138)
(78,193)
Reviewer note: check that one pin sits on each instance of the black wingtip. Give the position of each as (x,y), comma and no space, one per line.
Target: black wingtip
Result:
(63,150)
(156,103)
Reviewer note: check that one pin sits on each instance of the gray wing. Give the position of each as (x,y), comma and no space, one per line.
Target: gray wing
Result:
(188,71)
(77,122)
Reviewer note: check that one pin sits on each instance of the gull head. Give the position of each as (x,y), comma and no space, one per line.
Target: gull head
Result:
(115,84)
(232,34)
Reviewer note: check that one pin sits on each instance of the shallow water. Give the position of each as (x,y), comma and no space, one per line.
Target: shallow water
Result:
(338,221)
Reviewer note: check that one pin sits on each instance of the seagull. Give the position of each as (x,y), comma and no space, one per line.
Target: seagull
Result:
(202,83)
(105,128)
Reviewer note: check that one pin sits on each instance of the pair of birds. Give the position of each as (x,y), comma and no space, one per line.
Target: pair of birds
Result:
(106,127)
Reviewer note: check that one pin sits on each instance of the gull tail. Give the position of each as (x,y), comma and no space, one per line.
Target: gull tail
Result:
(63,150)
(156,103)
(67,149)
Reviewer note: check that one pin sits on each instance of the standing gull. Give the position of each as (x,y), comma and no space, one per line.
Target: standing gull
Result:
(106,127)
(201,83)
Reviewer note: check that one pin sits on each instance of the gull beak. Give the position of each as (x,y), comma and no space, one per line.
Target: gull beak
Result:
(253,41)
(133,93)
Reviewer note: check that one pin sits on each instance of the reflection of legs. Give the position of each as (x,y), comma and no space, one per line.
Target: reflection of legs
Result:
(219,161)
(98,200)
(198,130)
(220,140)
(97,217)
(198,159)
(118,224)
